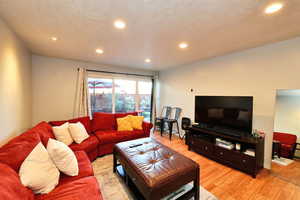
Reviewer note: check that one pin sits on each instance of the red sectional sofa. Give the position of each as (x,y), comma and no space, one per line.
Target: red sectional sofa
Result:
(104,126)
(103,135)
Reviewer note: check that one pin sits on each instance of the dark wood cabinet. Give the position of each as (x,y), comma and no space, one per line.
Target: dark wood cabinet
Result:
(204,142)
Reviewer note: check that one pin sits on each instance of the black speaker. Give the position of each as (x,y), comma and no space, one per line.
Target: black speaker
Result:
(185,123)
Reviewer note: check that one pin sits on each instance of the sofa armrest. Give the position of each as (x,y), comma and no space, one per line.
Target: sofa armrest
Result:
(147,126)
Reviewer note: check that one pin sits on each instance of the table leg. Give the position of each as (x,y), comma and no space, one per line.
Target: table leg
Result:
(170,130)
(114,162)
(197,186)
(162,123)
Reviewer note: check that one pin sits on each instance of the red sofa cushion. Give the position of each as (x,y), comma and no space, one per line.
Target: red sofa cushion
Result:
(11,186)
(131,135)
(86,122)
(16,150)
(87,145)
(120,115)
(84,165)
(103,121)
(108,137)
(44,130)
(82,189)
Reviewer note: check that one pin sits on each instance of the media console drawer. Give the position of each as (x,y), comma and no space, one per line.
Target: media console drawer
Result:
(247,162)
(222,152)
(202,147)
(237,159)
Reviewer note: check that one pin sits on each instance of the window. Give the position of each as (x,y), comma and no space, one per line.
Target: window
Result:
(100,91)
(115,95)
(125,96)
(144,97)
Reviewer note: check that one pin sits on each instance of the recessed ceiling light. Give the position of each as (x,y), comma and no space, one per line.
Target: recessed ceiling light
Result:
(183,45)
(147,60)
(120,24)
(273,8)
(53,38)
(99,51)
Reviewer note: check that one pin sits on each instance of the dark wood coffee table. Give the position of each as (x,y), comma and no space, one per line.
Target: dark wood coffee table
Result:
(153,171)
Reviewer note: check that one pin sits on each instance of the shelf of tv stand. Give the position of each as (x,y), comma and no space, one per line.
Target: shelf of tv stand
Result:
(204,142)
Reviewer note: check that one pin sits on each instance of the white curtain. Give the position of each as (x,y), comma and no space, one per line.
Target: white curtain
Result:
(155,98)
(82,105)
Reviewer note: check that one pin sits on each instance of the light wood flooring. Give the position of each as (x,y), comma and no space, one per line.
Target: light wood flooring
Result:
(229,184)
(289,173)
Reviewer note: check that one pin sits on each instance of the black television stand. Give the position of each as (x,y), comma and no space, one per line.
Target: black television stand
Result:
(203,141)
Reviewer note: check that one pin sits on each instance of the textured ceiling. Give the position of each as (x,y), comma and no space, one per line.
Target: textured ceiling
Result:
(154,28)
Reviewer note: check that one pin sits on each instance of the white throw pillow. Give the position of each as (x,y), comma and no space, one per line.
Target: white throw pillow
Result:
(62,133)
(78,132)
(63,157)
(38,172)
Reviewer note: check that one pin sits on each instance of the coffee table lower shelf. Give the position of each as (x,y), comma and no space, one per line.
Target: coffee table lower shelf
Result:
(132,188)
(136,193)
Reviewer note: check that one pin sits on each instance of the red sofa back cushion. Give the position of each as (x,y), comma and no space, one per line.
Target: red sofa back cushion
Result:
(86,122)
(285,138)
(16,150)
(11,186)
(103,121)
(44,130)
(120,115)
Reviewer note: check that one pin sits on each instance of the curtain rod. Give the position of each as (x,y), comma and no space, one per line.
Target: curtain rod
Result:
(109,72)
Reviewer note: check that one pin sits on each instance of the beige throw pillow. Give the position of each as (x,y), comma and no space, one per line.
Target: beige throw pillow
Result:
(63,157)
(38,172)
(62,133)
(78,132)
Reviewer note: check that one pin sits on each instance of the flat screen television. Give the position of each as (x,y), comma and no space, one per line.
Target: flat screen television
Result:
(229,114)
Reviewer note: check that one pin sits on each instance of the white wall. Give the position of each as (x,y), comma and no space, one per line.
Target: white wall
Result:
(287,115)
(15,84)
(256,72)
(54,86)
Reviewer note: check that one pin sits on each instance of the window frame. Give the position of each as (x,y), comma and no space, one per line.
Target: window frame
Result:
(114,77)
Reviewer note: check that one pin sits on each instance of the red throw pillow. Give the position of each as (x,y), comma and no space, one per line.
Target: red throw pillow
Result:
(11,186)
(16,150)
(103,121)
(44,130)
(86,122)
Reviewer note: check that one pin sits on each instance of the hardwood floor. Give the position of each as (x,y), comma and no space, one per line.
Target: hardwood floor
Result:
(290,173)
(229,184)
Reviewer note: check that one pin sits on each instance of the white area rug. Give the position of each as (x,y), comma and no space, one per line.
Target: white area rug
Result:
(113,188)
(282,161)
